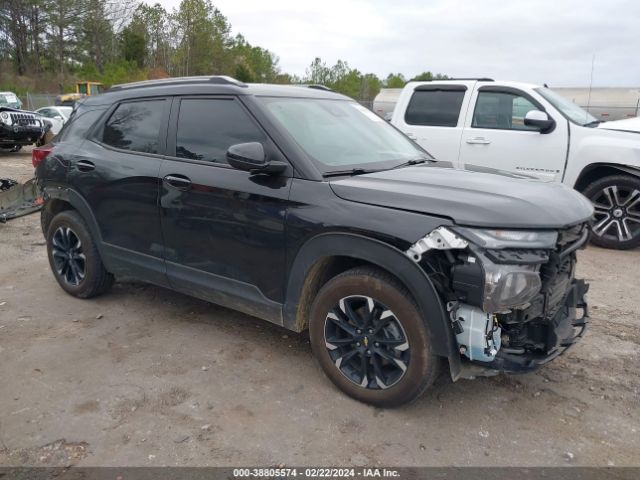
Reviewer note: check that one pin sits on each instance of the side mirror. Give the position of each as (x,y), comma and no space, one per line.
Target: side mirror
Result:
(540,121)
(251,158)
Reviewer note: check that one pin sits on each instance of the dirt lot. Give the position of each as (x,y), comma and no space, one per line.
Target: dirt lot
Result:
(144,376)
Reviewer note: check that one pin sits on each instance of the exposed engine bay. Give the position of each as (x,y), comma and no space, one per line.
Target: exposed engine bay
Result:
(512,298)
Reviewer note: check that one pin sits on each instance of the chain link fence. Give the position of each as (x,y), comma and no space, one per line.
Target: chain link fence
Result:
(35,101)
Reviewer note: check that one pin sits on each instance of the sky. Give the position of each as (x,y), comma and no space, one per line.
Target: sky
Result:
(541,41)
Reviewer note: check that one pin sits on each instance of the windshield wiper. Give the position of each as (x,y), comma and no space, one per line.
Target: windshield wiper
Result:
(595,123)
(415,161)
(351,172)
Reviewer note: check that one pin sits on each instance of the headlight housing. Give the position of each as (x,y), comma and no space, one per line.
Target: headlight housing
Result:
(498,239)
(4,116)
(507,286)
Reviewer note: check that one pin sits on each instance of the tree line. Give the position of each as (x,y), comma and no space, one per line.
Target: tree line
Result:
(47,45)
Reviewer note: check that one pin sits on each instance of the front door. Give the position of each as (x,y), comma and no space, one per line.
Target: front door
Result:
(495,136)
(224,229)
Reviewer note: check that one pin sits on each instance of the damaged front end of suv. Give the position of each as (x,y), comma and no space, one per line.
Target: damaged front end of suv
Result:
(512,298)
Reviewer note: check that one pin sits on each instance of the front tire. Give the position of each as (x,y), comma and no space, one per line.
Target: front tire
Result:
(369,337)
(74,257)
(616,200)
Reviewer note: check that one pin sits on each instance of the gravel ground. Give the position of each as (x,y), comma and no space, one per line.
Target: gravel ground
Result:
(145,376)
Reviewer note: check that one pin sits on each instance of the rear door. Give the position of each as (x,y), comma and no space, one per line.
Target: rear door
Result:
(116,172)
(433,115)
(223,228)
(495,135)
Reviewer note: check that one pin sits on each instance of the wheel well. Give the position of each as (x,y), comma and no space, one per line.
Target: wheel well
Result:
(319,274)
(588,176)
(51,209)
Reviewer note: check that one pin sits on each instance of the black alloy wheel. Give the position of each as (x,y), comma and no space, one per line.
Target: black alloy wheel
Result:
(371,339)
(68,256)
(73,255)
(367,342)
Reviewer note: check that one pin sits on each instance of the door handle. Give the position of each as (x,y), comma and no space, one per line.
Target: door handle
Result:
(177,181)
(412,136)
(478,141)
(85,165)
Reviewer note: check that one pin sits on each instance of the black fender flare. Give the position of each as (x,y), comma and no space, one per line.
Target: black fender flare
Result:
(79,204)
(628,169)
(387,257)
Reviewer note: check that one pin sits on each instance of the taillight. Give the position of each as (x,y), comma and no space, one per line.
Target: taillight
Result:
(39,154)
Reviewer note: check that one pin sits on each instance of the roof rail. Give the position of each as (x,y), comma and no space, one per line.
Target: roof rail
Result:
(215,79)
(478,79)
(319,86)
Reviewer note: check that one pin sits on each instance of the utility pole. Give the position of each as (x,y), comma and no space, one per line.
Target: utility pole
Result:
(593,61)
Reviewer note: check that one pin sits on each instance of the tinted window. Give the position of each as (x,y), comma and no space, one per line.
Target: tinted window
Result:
(208,127)
(438,108)
(135,126)
(502,111)
(80,122)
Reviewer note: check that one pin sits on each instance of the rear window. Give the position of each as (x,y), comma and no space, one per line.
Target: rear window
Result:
(135,126)
(435,108)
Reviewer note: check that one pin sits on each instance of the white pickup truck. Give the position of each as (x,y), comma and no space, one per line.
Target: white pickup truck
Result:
(521,128)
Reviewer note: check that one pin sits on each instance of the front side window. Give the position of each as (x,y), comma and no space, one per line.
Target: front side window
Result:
(501,110)
(340,134)
(435,108)
(208,127)
(135,126)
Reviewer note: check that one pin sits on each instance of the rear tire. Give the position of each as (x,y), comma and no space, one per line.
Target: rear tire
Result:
(616,200)
(74,257)
(369,337)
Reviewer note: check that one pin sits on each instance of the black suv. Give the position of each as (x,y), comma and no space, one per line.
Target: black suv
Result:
(299,206)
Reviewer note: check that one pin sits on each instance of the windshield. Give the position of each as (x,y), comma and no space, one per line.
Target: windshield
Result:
(10,100)
(569,109)
(340,135)
(65,111)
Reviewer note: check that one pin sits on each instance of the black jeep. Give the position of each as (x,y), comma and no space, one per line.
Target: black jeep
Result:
(19,128)
(299,206)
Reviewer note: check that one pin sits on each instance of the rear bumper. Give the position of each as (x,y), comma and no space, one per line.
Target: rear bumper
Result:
(565,329)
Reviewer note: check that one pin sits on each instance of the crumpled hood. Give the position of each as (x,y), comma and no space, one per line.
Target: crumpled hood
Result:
(469,198)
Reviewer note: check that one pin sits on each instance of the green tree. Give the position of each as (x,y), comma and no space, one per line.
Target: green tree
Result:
(134,44)
(395,80)
(258,63)
(425,76)
(202,35)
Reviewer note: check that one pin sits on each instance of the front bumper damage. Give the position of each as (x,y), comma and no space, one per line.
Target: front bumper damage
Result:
(492,336)
(563,330)
(20,135)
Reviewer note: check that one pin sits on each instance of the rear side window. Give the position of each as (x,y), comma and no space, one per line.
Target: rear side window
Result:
(80,122)
(435,108)
(135,126)
(208,127)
